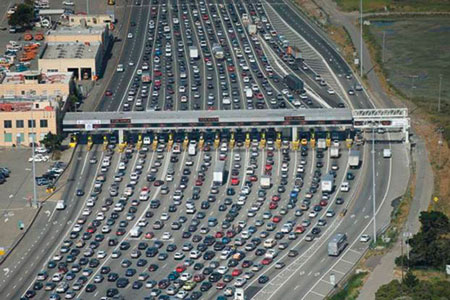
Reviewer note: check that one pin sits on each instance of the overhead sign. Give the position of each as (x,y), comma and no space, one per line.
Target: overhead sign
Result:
(120,121)
(294,118)
(209,120)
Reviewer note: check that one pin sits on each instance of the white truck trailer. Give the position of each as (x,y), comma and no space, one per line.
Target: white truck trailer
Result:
(321,144)
(219,170)
(193,52)
(327,183)
(354,159)
(265,182)
(334,151)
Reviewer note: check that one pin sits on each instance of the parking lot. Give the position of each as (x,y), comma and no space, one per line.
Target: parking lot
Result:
(159,223)
(203,56)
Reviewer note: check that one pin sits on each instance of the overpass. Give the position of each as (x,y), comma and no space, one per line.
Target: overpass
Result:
(278,119)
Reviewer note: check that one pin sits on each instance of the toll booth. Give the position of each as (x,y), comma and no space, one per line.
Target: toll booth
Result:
(89,143)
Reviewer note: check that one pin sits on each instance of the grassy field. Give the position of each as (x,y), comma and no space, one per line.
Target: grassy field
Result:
(395,5)
(416,54)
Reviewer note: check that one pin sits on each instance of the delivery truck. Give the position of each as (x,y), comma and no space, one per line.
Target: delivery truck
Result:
(327,183)
(145,77)
(354,159)
(219,170)
(321,144)
(252,29)
(265,182)
(294,83)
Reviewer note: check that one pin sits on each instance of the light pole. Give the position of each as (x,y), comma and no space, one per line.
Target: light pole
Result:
(384,42)
(373,187)
(34,202)
(439,98)
(361,38)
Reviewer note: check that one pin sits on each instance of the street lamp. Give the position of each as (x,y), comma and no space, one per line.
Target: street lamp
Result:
(374,187)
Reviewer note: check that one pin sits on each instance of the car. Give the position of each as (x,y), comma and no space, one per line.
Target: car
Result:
(364,238)
(130,35)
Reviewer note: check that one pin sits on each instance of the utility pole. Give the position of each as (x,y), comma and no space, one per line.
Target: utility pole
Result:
(374,205)
(439,98)
(382,52)
(361,38)
(34,202)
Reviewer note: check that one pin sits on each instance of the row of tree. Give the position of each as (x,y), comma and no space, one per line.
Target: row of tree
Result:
(430,247)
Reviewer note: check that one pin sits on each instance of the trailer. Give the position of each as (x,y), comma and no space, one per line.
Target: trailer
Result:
(193,52)
(219,170)
(334,151)
(265,182)
(321,144)
(252,29)
(294,83)
(327,183)
(354,159)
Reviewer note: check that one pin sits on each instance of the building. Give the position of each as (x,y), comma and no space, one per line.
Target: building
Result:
(30,84)
(84,60)
(32,104)
(79,50)
(23,121)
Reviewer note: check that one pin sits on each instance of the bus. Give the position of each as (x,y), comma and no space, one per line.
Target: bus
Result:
(337,244)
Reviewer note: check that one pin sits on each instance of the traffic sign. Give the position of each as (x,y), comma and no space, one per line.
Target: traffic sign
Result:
(2,251)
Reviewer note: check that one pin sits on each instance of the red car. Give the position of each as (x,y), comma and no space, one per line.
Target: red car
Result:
(277,219)
(199,277)
(230,68)
(276,198)
(299,229)
(234,181)
(253,178)
(198,182)
(266,261)
(221,285)
(180,268)
(230,233)
(268,167)
(108,93)
(219,235)
(273,205)
(120,231)
(91,229)
(236,272)
(323,203)
(158,182)
(149,235)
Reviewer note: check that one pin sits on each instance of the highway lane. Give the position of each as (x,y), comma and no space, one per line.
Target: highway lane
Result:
(46,231)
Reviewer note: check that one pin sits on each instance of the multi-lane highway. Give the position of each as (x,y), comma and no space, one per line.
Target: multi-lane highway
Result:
(151,223)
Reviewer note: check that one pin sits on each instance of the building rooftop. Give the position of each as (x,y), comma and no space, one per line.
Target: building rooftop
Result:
(70,50)
(6,106)
(35,77)
(76,30)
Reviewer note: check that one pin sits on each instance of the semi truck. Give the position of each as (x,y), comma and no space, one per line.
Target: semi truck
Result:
(354,159)
(327,183)
(265,182)
(219,170)
(294,83)
(193,52)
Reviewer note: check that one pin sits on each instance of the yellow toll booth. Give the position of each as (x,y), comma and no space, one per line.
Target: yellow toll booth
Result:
(89,143)
(278,140)
(170,142)
(295,144)
(122,147)
(217,140)
(304,142)
(328,140)
(232,140)
(313,142)
(201,142)
(185,142)
(73,141)
(139,142)
(155,142)
(349,142)
(247,140)
(105,143)
(262,142)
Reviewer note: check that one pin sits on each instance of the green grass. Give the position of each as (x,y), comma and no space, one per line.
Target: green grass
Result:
(417,52)
(351,289)
(395,5)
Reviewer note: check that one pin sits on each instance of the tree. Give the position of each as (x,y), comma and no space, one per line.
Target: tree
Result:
(434,222)
(410,280)
(52,141)
(23,16)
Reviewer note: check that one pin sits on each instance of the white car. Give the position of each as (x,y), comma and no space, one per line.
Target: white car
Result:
(222,270)
(40,150)
(364,238)
(166,236)
(313,214)
(130,35)
(185,276)
(68,3)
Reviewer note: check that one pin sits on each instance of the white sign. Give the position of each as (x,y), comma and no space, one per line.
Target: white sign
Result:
(447,269)
(80,122)
(88,126)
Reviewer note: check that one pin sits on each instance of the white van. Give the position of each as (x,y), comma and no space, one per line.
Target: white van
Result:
(345,186)
(136,231)
(269,243)
(387,153)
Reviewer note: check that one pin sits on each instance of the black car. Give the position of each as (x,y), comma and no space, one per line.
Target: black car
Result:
(122,282)
(80,192)
(263,279)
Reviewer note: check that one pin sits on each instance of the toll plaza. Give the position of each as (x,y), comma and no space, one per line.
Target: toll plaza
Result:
(299,126)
